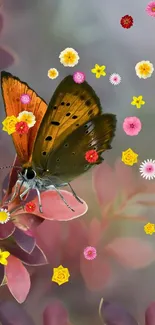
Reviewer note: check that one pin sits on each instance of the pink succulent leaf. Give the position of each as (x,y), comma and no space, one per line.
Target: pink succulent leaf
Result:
(36,257)
(55,209)
(18,279)
(95,232)
(150,314)
(25,242)
(6,58)
(12,178)
(103,174)
(115,314)
(6,229)
(1,273)
(27,221)
(5,185)
(96,273)
(16,315)
(131,252)
(55,314)
(1,22)
(144,199)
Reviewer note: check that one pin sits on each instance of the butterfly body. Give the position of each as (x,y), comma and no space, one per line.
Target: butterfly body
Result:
(52,153)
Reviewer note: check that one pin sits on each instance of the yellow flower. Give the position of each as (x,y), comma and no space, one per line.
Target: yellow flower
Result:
(53,73)
(149,228)
(27,117)
(129,157)
(4,216)
(137,101)
(60,275)
(3,257)
(9,124)
(144,69)
(99,70)
(69,57)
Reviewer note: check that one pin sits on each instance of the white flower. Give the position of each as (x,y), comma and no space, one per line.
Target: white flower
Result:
(115,79)
(53,73)
(27,117)
(147,169)
(144,69)
(4,216)
(69,57)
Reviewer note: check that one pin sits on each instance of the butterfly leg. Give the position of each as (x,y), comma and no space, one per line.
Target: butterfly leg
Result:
(63,199)
(24,193)
(39,200)
(74,194)
(14,193)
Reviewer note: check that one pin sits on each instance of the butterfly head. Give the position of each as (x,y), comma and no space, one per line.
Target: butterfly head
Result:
(28,173)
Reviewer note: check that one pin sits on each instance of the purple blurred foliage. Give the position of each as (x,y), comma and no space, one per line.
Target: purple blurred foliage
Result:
(6,57)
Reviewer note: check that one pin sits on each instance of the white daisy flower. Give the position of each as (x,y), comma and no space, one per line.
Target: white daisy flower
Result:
(147,169)
(69,57)
(4,216)
(115,79)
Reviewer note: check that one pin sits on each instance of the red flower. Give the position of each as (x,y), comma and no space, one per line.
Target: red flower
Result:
(30,207)
(22,127)
(126,21)
(91,156)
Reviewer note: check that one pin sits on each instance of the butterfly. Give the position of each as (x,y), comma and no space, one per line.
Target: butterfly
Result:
(52,152)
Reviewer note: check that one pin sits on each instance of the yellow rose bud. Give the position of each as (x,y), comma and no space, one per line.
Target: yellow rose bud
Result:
(60,275)
(149,228)
(9,124)
(129,157)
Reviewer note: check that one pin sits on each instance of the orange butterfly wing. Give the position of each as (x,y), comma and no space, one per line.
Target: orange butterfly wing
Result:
(12,89)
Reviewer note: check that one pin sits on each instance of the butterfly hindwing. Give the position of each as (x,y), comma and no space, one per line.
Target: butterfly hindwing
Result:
(71,106)
(12,89)
(68,160)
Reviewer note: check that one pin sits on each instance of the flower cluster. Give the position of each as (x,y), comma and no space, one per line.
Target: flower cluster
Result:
(20,124)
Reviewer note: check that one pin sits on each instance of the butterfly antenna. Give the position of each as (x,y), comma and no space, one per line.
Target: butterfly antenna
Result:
(10,167)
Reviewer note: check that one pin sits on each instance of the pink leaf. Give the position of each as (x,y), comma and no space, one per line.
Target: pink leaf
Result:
(150,314)
(55,209)
(26,221)
(95,232)
(55,314)
(6,229)
(131,252)
(96,273)
(104,183)
(18,279)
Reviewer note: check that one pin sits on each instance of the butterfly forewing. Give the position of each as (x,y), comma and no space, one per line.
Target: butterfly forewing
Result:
(68,160)
(71,106)
(12,89)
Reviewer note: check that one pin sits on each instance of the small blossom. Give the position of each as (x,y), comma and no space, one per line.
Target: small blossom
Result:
(27,117)
(53,73)
(25,99)
(150,9)
(132,125)
(129,157)
(60,275)
(22,128)
(115,79)
(90,253)
(99,70)
(147,169)
(3,257)
(91,156)
(4,216)
(144,69)
(9,124)
(69,57)
(126,21)
(30,207)
(149,228)
(137,101)
(79,77)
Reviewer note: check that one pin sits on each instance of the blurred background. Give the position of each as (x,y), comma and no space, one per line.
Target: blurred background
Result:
(32,35)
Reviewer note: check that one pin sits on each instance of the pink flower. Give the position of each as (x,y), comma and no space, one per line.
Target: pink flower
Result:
(150,9)
(132,125)
(79,77)
(25,99)
(90,253)
(115,79)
